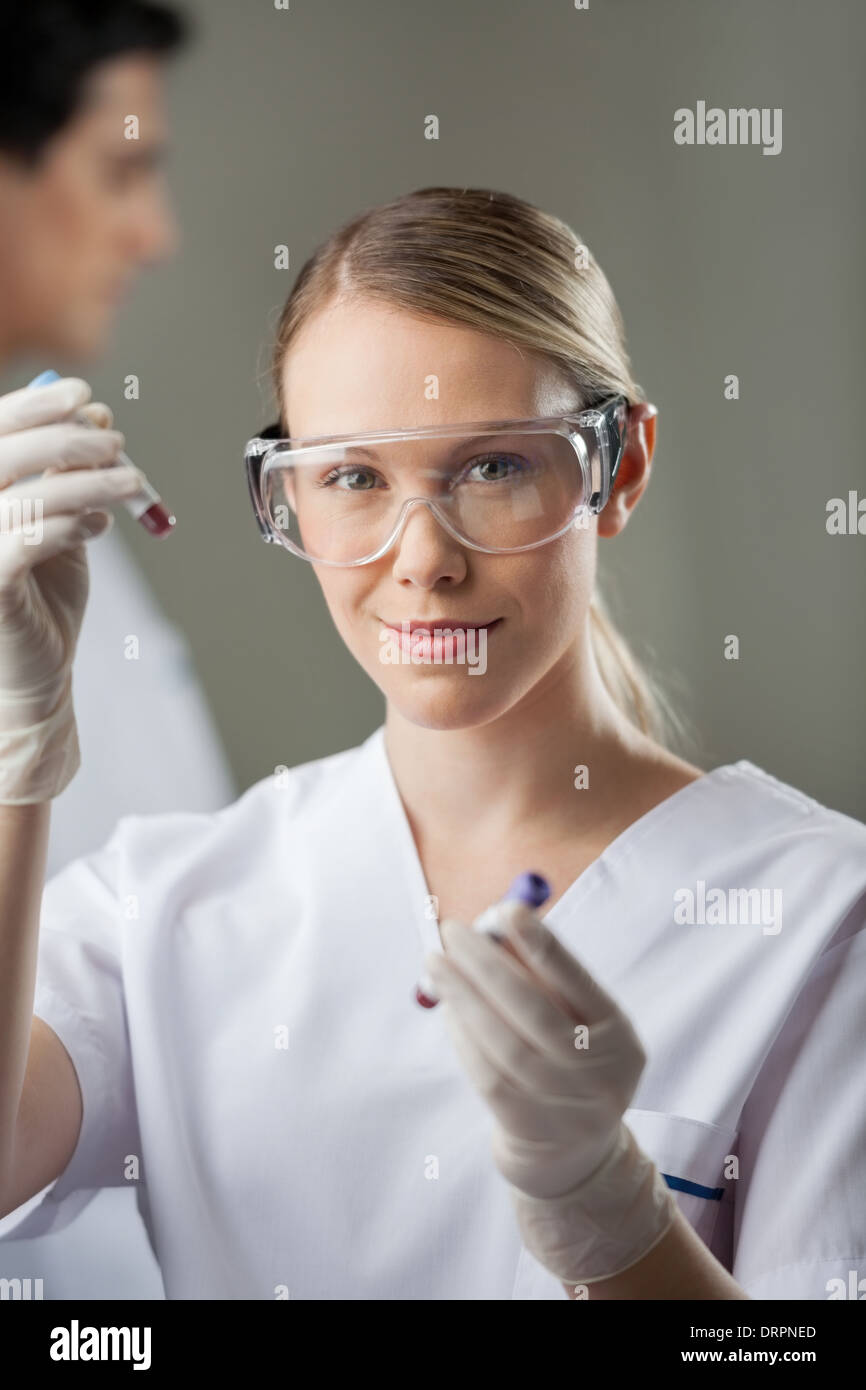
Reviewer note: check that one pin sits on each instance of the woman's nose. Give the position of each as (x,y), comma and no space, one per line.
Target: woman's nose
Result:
(423,545)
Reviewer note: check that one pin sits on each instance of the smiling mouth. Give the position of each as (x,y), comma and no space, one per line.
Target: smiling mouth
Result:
(440,625)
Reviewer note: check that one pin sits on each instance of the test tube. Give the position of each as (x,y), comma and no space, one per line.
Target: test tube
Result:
(146,505)
(528,891)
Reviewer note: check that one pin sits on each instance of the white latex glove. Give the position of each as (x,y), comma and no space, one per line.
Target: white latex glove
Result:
(47,458)
(589,1201)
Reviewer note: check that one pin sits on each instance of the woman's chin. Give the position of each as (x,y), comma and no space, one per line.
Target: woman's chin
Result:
(448,706)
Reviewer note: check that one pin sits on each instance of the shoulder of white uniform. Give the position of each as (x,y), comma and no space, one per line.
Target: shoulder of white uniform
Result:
(784,810)
(286,791)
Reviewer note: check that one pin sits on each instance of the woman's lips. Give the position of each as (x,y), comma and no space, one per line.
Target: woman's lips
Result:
(419,639)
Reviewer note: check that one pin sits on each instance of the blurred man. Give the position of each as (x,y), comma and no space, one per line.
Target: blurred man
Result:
(83,209)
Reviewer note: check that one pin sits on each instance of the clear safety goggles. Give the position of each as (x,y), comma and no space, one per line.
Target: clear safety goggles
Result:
(499,487)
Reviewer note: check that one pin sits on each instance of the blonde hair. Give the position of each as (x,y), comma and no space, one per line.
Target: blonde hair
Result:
(504,267)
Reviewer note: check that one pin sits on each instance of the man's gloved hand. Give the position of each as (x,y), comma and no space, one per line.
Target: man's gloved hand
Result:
(558,1062)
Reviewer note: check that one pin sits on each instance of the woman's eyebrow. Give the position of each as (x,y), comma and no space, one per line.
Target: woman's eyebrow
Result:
(461,442)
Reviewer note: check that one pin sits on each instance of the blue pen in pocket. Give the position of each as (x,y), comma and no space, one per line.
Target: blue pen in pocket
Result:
(146,506)
(527,892)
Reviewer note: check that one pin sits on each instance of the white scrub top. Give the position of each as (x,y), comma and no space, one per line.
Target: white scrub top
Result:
(148,744)
(148,740)
(235,989)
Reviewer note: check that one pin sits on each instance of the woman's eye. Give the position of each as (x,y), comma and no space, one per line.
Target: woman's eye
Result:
(342,475)
(498,466)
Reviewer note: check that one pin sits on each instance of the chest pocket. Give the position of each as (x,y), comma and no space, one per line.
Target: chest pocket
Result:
(690,1154)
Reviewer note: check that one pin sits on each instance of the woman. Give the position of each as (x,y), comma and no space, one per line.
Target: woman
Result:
(652,1094)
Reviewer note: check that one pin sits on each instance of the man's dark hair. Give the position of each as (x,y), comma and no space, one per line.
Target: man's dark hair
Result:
(47,48)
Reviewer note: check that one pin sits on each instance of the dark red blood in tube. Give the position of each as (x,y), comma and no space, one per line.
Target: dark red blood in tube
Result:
(158,520)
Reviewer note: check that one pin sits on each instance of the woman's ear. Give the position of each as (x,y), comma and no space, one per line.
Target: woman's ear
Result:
(633,473)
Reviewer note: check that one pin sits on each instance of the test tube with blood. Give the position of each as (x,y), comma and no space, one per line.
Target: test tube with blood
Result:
(527,892)
(146,505)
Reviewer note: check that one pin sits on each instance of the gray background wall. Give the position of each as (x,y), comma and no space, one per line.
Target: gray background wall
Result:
(723,260)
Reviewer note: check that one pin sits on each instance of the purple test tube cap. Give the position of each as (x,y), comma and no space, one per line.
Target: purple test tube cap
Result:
(529,888)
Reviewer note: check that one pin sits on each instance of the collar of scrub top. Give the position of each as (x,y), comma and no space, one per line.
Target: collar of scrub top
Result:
(609,417)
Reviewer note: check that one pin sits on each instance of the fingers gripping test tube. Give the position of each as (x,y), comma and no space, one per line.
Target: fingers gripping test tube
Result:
(528,891)
(146,506)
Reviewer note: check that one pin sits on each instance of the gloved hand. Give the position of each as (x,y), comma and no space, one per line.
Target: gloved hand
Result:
(558,1062)
(55,479)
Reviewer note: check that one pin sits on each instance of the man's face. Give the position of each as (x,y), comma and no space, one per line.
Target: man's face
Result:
(75,229)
